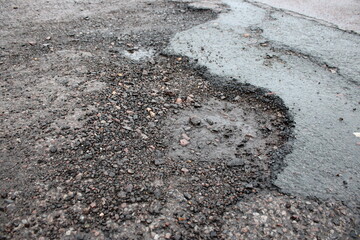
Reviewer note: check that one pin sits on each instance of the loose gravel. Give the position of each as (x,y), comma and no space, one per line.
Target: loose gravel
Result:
(105,137)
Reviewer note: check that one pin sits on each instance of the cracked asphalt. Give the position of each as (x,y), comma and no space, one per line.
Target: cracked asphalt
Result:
(313,67)
(191,119)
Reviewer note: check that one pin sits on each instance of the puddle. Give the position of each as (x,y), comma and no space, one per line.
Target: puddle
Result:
(139,54)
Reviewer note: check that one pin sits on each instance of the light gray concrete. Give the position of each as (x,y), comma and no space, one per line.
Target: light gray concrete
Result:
(344,13)
(325,161)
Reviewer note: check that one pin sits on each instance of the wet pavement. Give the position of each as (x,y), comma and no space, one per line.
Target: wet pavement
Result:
(312,66)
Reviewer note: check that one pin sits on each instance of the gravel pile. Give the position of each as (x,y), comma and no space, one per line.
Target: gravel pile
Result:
(272,215)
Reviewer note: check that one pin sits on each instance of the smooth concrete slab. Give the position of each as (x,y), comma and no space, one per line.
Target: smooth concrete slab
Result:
(314,68)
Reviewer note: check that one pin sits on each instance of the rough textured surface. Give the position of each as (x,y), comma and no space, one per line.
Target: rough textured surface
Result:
(221,132)
(313,68)
(105,137)
(280,217)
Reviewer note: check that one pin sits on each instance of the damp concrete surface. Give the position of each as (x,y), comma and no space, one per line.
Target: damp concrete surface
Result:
(312,66)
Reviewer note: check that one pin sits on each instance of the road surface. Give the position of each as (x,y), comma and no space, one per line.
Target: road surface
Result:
(312,66)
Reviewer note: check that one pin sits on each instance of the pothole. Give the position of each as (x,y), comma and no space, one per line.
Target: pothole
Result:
(221,132)
(166,148)
(224,147)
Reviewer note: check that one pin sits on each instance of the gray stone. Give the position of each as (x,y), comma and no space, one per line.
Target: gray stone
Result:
(237,162)
(195,121)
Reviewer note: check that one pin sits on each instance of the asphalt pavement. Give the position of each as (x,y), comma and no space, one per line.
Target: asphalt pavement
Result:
(345,14)
(308,61)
